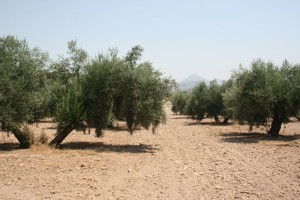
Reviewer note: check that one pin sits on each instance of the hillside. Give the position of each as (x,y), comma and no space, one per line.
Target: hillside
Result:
(193,80)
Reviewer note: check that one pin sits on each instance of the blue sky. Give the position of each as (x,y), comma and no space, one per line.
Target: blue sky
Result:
(209,38)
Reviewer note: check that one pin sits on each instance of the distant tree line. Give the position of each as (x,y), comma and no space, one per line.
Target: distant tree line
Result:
(252,95)
(78,91)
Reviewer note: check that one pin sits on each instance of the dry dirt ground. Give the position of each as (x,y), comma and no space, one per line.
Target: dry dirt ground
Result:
(183,160)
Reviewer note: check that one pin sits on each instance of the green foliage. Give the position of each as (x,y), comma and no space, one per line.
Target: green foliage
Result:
(265,91)
(70,108)
(196,106)
(103,81)
(178,101)
(203,101)
(134,55)
(60,73)
(20,77)
(229,101)
(145,93)
(112,88)
(115,87)
(215,104)
(78,58)
(149,93)
(251,95)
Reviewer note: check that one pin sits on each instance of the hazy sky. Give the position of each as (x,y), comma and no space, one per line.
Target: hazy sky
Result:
(209,38)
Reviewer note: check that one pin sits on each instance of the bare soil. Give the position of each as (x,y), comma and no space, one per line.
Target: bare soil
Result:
(184,159)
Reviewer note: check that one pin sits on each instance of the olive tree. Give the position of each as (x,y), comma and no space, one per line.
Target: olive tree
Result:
(249,96)
(285,95)
(207,101)
(196,106)
(146,91)
(112,87)
(146,97)
(215,104)
(265,91)
(103,82)
(20,77)
(178,101)
(64,87)
(70,111)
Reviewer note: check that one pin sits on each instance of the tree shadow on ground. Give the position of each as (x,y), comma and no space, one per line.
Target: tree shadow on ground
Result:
(123,128)
(52,128)
(174,116)
(178,117)
(254,137)
(9,146)
(197,123)
(102,147)
(46,121)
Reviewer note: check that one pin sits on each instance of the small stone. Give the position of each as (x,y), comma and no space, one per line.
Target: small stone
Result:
(83,165)
(129,170)
(218,187)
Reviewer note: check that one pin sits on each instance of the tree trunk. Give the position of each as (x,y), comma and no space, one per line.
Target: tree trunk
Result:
(225,121)
(99,132)
(217,120)
(275,127)
(277,122)
(24,139)
(62,133)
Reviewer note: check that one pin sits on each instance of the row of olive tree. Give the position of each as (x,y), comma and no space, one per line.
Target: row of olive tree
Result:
(78,92)
(263,92)
(202,101)
(114,88)
(253,96)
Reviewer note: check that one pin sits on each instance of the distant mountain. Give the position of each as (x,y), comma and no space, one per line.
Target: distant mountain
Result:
(194,80)
(191,82)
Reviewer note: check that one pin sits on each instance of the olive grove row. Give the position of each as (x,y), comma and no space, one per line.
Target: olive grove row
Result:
(252,95)
(77,91)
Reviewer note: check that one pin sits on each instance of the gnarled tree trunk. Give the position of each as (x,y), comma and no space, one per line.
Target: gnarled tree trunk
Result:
(276,126)
(25,139)
(62,133)
(225,121)
(217,120)
(278,119)
(99,132)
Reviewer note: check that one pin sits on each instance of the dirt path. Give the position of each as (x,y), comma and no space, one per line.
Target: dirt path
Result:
(183,160)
